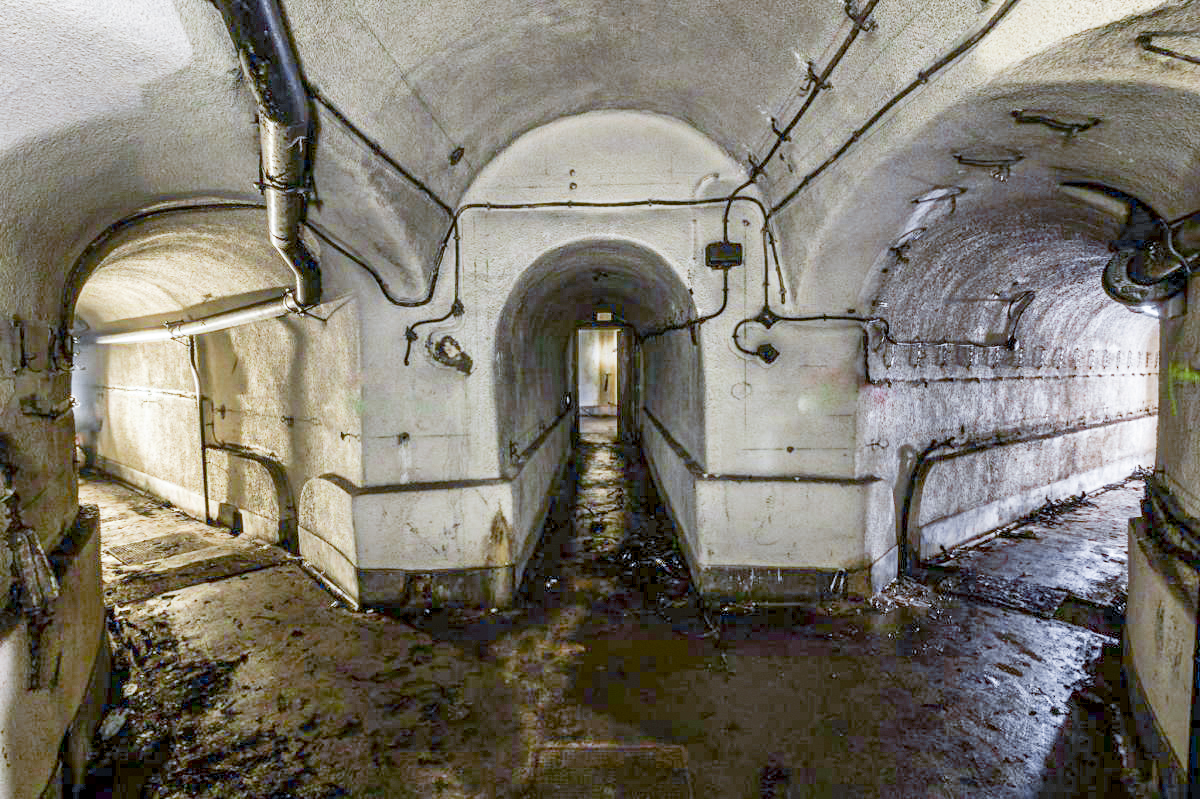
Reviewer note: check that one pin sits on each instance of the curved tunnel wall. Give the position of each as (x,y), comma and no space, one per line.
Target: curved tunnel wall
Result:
(176,106)
(1081,370)
(283,390)
(534,374)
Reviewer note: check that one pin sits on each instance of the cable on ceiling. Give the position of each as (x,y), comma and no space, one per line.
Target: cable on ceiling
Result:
(921,79)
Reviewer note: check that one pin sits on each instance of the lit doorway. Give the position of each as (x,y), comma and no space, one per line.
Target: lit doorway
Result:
(603,385)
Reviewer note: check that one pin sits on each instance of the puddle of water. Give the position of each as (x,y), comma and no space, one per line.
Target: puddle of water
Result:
(870,698)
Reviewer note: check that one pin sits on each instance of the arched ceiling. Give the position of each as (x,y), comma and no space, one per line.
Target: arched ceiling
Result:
(201,260)
(118,104)
(1141,143)
(566,286)
(476,75)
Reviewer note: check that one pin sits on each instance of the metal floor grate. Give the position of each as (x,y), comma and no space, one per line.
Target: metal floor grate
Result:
(611,771)
(157,548)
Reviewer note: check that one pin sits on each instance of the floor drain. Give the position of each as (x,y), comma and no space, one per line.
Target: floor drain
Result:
(157,548)
(611,771)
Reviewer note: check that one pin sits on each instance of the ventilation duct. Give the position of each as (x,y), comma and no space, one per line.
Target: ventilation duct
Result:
(285,126)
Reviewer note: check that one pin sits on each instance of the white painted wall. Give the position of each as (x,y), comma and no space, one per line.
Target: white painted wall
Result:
(118,104)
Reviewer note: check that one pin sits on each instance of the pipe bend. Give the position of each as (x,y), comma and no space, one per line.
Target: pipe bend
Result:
(269,62)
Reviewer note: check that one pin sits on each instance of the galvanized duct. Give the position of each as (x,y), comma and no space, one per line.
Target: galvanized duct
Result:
(269,62)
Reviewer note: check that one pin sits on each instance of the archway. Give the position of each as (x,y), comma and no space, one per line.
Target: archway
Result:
(601,281)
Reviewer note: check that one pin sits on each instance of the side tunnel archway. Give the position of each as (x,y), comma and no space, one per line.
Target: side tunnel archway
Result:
(534,380)
(236,417)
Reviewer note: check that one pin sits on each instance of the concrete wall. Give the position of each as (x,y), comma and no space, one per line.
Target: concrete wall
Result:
(795,464)
(287,389)
(146,109)
(1163,581)
(994,328)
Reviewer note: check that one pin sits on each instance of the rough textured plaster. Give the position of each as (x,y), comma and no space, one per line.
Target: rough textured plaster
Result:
(425,81)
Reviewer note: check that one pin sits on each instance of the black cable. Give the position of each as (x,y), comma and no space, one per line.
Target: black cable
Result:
(327,237)
(818,84)
(456,308)
(768,319)
(692,324)
(378,150)
(922,78)
(1146,39)
(728,206)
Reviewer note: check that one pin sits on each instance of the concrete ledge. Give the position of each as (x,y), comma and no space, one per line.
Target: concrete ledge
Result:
(961,528)
(186,500)
(782,585)
(777,585)
(1169,775)
(1159,642)
(330,562)
(694,467)
(398,589)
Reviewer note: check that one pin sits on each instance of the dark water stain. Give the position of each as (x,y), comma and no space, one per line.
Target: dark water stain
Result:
(912,694)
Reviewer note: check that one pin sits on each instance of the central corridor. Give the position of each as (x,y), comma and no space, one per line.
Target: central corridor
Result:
(258,683)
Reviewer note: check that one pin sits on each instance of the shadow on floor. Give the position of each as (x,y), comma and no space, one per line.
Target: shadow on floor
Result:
(258,685)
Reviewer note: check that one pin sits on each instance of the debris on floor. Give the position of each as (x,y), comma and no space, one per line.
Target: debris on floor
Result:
(255,684)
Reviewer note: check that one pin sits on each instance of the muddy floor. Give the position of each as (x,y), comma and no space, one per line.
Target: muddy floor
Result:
(254,681)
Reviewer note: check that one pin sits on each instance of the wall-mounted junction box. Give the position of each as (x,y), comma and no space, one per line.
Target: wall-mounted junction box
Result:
(723,254)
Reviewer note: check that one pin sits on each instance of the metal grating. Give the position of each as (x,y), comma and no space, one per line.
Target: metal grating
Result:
(163,546)
(611,771)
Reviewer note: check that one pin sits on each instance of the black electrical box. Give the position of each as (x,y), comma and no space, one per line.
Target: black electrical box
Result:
(723,254)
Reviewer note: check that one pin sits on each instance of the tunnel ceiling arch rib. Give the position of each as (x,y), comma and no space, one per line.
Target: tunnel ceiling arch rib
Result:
(565,286)
(196,260)
(1034,115)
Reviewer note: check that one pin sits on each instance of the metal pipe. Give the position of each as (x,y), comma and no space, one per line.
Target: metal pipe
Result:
(284,497)
(257,312)
(200,417)
(285,130)
(927,458)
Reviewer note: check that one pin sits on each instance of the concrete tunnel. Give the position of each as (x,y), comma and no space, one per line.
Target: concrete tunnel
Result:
(880,280)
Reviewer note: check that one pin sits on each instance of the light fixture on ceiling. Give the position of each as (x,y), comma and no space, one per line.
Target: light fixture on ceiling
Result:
(998,159)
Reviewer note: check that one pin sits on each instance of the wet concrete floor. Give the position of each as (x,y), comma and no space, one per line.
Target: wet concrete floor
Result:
(260,684)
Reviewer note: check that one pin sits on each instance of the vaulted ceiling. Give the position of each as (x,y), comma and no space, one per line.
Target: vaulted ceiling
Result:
(113,105)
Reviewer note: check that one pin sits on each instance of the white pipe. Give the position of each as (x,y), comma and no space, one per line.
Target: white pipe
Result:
(257,312)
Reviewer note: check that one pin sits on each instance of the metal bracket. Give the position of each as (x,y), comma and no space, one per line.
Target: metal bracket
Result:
(861,21)
(1069,128)
(900,247)
(779,134)
(814,80)
(1001,165)
(34,405)
(25,356)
